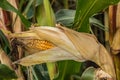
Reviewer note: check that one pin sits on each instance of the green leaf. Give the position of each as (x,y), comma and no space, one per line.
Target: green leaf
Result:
(40,72)
(29,9)
(4,43)
(30,13)
(38,2)
(85,9)
(88,74)
(45,15)
(7,73)
(66,69)
(41,16)
(65,17)
(97,23)
(8,7)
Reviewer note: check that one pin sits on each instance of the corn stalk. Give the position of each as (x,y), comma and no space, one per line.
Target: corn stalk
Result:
(114,36)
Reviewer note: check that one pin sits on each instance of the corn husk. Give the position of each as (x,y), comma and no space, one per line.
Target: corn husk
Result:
(116,43)
(16,22)
(69,45)
(5,59)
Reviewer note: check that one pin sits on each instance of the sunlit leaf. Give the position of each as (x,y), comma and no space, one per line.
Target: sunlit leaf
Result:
(66,17)
(85,9)
(45,15)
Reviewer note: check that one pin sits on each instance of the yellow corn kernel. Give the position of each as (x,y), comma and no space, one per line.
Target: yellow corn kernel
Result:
(39,44)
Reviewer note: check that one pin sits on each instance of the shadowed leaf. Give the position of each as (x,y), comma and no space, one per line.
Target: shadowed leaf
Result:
(4,43)
(6,73)
(7,6)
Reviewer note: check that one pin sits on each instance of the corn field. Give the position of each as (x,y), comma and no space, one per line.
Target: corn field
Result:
(59,40)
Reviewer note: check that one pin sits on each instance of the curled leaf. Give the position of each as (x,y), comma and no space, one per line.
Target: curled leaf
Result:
(95,74)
